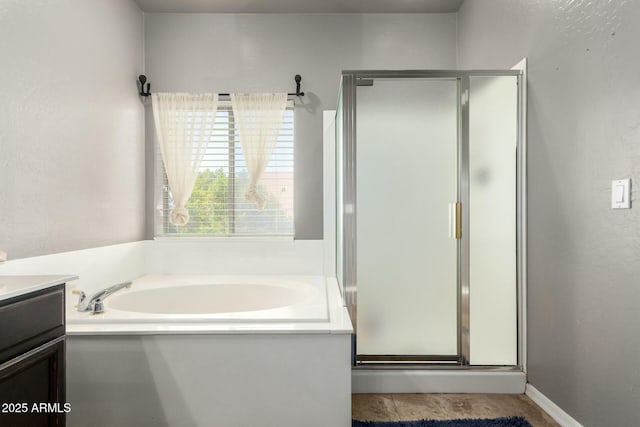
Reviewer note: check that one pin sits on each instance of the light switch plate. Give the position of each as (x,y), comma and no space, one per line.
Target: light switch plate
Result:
(621,194)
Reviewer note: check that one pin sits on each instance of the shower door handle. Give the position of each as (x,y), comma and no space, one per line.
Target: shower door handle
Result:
(455,220)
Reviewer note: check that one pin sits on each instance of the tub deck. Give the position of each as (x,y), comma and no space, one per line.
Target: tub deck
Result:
(324,313)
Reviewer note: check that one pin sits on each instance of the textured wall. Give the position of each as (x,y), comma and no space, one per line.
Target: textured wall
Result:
(71,125)
(222,53)
(584,131)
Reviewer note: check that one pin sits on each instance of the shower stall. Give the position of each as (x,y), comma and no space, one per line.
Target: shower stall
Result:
(430,245)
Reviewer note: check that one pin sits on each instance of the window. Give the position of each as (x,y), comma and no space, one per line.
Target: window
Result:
(217,206)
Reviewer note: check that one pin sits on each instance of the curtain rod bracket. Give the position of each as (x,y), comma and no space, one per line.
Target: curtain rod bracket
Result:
(142,79)
(298,79)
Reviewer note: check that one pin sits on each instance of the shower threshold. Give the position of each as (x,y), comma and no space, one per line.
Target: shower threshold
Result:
(404,360)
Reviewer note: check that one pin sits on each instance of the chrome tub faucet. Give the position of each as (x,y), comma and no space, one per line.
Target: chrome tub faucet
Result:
(94,303)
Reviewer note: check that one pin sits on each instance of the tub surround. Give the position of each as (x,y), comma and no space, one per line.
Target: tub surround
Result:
(230,380)
(243,368)
(13,286)
(98,268)
(95,268)
(238,372)
(234,256)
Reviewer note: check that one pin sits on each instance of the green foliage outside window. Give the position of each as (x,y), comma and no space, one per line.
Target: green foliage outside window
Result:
(210,208)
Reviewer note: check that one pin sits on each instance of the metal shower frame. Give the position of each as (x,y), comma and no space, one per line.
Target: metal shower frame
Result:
(349,84)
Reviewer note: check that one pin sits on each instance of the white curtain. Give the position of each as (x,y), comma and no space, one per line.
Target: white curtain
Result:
(258,118)
(184,126)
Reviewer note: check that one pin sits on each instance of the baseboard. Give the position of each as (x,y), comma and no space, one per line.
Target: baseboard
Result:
(556,412)
(432,381)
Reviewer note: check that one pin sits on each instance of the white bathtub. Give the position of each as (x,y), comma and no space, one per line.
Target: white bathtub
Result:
(228,351)
(167,299)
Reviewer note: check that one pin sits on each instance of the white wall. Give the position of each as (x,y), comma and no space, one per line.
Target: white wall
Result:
(71,125)
(246,52)
(583,132)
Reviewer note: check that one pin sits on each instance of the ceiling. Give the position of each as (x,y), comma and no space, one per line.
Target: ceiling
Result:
(300,6)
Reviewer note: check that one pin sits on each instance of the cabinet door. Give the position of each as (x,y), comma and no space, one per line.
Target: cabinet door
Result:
(35,377)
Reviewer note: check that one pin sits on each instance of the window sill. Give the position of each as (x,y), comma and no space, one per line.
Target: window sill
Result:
(244,239)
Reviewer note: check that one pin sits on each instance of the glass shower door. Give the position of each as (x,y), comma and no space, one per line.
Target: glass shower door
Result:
(407,252)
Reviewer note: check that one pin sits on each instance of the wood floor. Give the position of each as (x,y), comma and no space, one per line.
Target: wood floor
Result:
(406,407)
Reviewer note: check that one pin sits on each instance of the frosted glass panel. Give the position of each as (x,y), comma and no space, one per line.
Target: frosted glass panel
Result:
(339,194)
(406,177)
(492,172)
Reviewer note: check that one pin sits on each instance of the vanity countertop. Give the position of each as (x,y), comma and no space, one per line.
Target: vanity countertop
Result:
(13,286)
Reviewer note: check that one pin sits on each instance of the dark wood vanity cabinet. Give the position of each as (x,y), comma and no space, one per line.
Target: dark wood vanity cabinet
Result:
(32,359)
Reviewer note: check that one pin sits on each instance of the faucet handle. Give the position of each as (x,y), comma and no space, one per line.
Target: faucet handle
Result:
(81,295)
(98,307)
